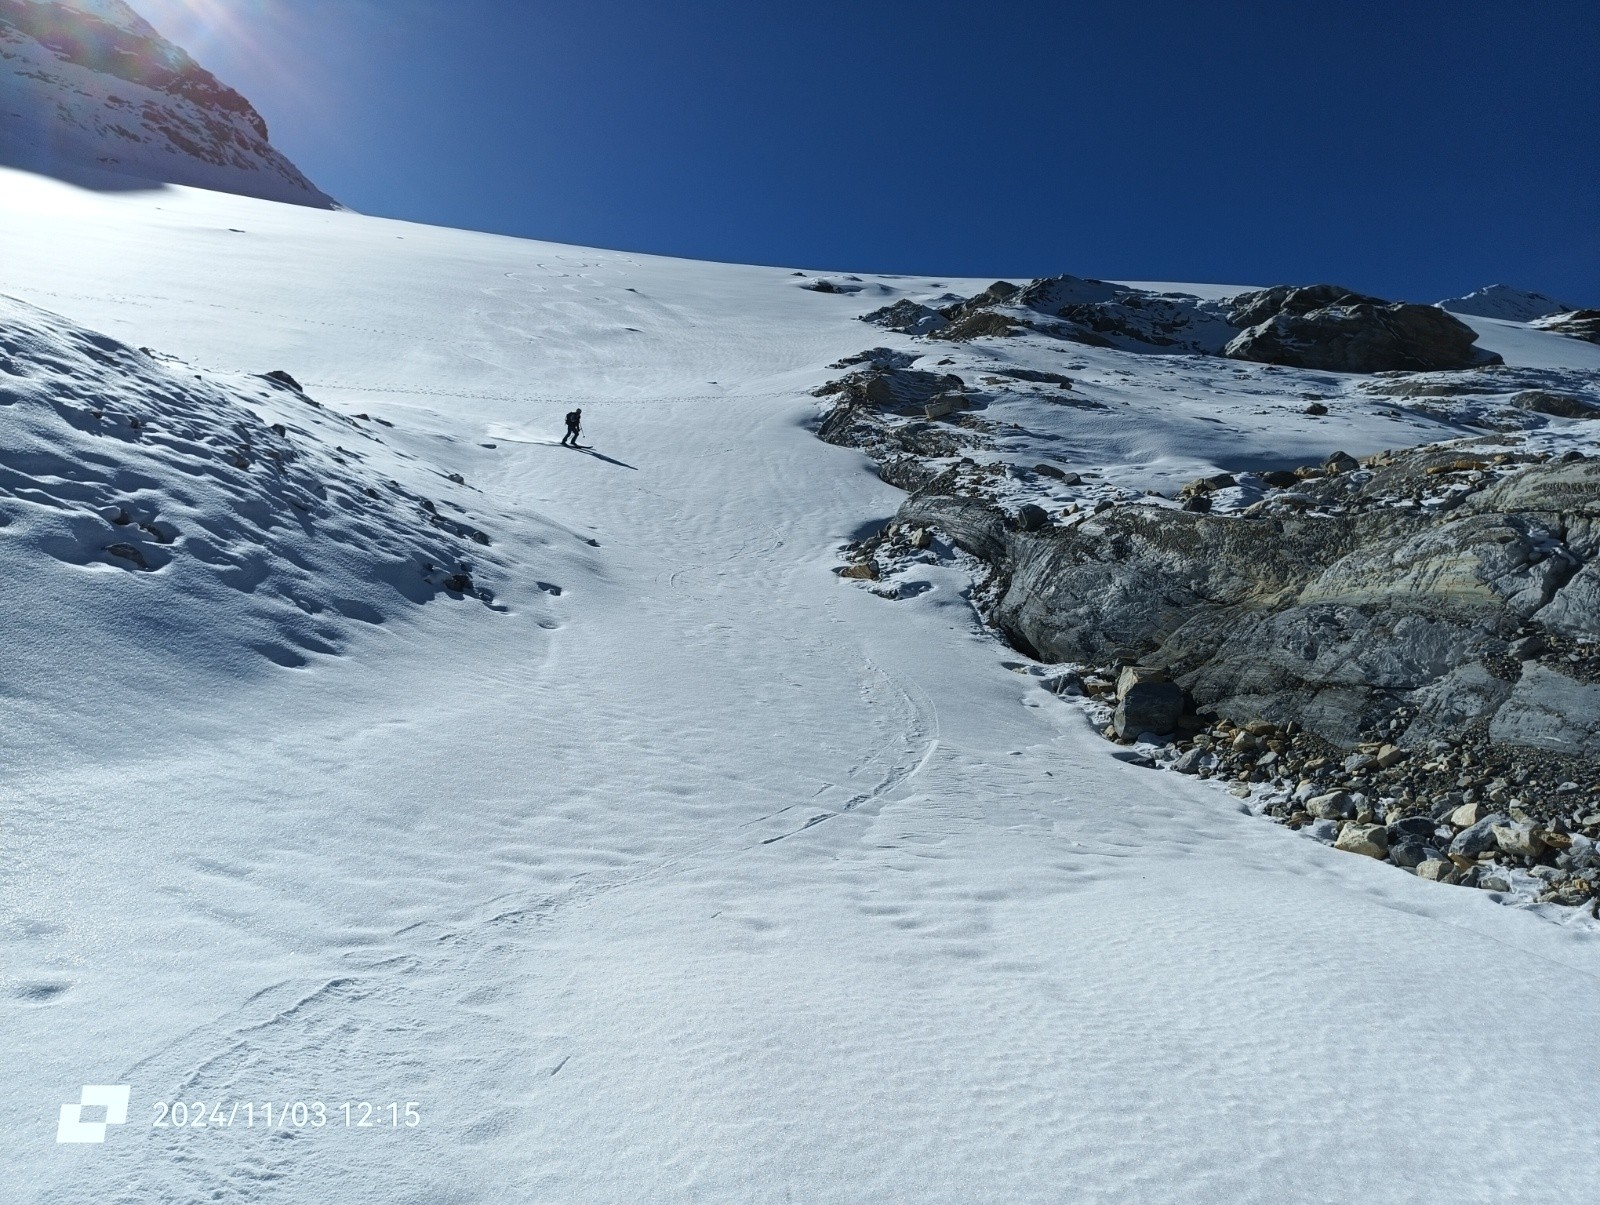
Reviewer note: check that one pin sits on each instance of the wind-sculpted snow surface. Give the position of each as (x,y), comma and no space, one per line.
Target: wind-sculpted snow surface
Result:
(696,874)
(89,90)
(143,499)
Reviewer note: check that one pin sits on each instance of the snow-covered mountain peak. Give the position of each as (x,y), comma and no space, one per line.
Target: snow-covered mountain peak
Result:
(90,87)
(1505,303)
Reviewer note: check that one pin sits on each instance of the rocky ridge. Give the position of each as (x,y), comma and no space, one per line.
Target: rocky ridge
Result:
(89,89)
(1410,629)
(1324,327)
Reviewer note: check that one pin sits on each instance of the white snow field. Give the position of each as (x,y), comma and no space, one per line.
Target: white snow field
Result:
(683,870)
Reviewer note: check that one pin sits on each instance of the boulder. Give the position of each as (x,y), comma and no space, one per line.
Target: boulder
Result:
(944,405)
(1408,853)
(1478,839)
(1519,840)
(1369,840)
(1031,517)
(1335,805)
(1149,707)
(1359,335)
(1132,675)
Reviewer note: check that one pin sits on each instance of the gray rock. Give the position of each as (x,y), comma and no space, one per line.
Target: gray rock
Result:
(1149,707)
(1335,805)
(1437,870)
(1190,762)
(1558,405)
(1479,839)
(1369,840)
(1519,840)
(1548,710)
(1413,826)
(1409,854)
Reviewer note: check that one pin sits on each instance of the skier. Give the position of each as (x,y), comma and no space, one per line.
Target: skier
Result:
(574,426)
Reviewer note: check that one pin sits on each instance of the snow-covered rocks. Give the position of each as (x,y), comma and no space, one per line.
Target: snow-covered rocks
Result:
(87,86)
(148,499)
(1579,324)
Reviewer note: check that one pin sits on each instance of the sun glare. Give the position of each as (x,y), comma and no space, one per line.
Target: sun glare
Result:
(202,25)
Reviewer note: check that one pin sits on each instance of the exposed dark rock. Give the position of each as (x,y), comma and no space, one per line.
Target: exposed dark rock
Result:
(1328,328)
(909,318)
(1557,405)
(984,324)
(1149,707)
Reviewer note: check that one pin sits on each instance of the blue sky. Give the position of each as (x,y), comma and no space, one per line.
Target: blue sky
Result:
(1412,148)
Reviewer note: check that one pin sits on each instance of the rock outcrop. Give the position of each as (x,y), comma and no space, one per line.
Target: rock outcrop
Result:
(1329,328)
(90,91)
(1580,324)
(1325,327)
(1346,607)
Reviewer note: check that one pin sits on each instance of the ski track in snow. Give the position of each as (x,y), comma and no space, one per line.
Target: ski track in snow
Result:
(696,874)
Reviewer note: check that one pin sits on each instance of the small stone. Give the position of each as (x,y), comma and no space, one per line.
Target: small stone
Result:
(1190,762)
(1340,462)
(1390,756)
(1468,814)
(1437,870)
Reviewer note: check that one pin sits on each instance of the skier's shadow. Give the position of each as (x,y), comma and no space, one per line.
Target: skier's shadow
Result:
(602,456)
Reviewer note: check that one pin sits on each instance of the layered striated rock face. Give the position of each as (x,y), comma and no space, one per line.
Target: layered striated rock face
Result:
(1375,614)
(88,89)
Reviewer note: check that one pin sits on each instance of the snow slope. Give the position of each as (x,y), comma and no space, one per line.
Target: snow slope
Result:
(1506,303)
(90,91)
(693,873)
